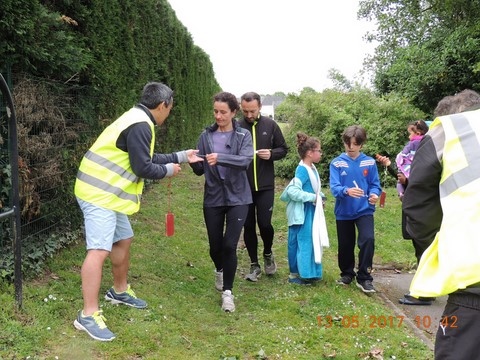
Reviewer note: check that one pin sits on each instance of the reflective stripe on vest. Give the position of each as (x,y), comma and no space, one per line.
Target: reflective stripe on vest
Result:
(105,177)
(452,261)
(470,147)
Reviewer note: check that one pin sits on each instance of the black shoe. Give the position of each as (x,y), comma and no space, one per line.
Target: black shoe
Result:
(366,286)
(298,281)
(410,300)
(345,280)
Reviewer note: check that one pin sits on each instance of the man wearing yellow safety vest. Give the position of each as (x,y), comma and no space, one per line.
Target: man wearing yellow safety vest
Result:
(269,145)
(108,187)
(442,203)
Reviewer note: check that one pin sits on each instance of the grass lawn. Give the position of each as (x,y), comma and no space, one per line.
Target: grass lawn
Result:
(273,319)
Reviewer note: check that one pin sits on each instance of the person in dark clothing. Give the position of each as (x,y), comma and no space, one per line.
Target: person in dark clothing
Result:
(419,248)
(448,105)
(442,207)
(228,151)
(269,146)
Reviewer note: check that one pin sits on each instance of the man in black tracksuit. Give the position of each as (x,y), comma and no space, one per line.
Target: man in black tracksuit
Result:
(269,145)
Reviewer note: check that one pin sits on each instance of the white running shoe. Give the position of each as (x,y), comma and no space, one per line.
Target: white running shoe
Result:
(227,301)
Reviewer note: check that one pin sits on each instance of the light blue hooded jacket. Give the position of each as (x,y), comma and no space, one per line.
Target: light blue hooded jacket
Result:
(295,197)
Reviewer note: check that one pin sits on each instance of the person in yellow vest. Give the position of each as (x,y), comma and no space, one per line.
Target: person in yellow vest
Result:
(442,202)
(108,188)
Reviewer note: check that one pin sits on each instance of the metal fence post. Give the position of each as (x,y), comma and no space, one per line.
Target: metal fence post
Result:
(14,211)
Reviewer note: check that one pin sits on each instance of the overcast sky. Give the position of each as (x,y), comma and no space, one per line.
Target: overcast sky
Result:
(276,45)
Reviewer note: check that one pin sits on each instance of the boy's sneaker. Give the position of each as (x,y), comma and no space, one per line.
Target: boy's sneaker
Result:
(366,286)
(219,280)
(227,301)
(269,264)
(127,297)
(345,280)
(94,325)
(255,272)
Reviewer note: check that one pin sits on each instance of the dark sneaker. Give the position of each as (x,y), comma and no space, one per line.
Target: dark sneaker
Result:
(254,274)
(298,281)
(345,280)
(366,286)
(227,301)
(127,297)
(219,280)
(94,326)
(269,264)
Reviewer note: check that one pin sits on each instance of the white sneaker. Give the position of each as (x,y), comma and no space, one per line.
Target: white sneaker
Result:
(219,280)
(227,301)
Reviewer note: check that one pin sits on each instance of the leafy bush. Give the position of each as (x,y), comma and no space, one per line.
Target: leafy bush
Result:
(326,114)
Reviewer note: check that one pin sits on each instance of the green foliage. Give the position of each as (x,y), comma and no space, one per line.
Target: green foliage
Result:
(40,41)
(340,81)
(6,185)
(444,64)
(326,114)
(35,252)
(103,53)
(112,48)
(426,50)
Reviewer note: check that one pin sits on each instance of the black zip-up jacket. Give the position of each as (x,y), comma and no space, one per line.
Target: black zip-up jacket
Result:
(234,189)
(261,173)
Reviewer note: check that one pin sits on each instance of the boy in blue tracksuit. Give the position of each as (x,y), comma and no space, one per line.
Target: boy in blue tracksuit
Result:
(355,184)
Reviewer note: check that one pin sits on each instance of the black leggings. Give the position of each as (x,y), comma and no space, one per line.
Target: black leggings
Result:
(223,245)
(263,204)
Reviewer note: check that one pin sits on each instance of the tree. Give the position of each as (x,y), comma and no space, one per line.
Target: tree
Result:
(419,56)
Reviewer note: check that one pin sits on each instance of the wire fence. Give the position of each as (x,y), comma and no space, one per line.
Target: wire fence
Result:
(53,133)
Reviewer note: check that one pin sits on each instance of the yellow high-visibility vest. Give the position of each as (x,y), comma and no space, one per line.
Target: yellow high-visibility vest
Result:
(105,177)
(452,261)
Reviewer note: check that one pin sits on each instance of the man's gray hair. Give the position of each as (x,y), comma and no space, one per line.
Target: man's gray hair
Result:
(154,93)
(460,102)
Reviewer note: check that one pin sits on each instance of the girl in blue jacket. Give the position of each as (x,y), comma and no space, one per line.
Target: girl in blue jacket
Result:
(304,200)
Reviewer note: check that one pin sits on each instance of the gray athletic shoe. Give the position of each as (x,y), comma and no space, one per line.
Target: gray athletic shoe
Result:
(366,286)
(94,325)
(269,264)
(255,272)
(219,280)
(345,280)
(127,297)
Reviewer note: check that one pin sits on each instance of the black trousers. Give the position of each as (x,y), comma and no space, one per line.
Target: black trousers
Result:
(347,238)
(419,248)
(224,225)
(260,211)
(458,332)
